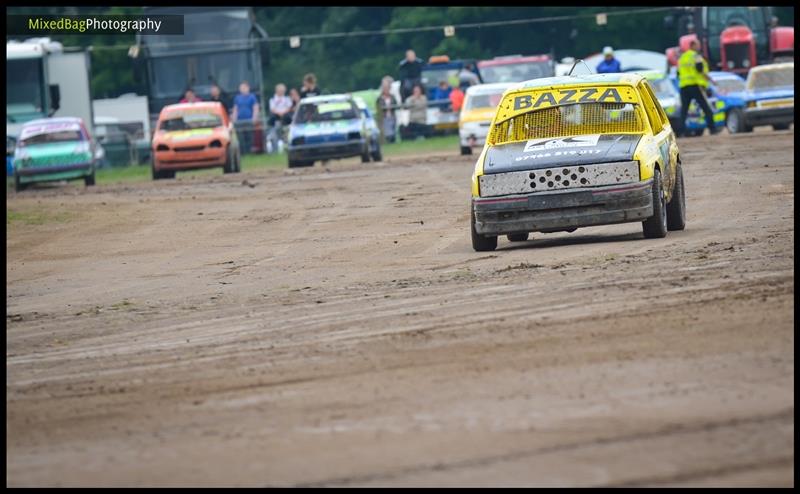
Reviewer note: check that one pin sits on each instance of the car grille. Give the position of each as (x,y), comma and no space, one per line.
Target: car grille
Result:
(737,53)
(189,148)
(63,160)
(562,177)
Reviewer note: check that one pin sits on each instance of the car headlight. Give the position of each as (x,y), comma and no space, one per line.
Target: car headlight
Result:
(751,104)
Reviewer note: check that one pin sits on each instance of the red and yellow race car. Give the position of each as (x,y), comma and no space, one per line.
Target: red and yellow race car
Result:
(190,136)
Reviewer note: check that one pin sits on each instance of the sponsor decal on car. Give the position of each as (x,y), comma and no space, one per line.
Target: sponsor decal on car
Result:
(561,142)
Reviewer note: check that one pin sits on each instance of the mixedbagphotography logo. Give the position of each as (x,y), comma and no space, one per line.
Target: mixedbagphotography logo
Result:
(94,24)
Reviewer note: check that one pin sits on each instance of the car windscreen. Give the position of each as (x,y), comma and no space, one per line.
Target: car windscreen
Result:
(193,120)
(771,78)
(570,120)
(483,100)
(663,88)
(725,86)
(326,112)
(432,78)
(516,72)
(66,135)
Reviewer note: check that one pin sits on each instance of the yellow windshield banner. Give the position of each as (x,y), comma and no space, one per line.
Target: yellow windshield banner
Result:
(538,99)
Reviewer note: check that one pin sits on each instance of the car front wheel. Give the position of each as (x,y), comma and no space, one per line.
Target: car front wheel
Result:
(736,122)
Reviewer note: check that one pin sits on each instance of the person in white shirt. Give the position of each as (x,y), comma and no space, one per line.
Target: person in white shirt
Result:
(280,106)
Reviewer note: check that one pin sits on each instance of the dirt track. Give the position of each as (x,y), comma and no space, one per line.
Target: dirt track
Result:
(334,327)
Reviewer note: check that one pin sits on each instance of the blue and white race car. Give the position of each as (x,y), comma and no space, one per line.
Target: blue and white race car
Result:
(767,98)
(331,127)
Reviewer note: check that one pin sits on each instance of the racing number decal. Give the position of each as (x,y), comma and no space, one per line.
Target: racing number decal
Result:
(566,97)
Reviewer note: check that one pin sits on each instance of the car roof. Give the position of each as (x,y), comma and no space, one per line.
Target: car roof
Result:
(211,105)
(626,78)
(41,121)
(512,59)
(489,88)
(325,98)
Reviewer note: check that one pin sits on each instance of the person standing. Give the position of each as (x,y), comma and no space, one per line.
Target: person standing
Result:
(467,76)
(456,98)
(280,106)
(245,115)
(410,73)
(294,95)
(189,96)
(219,96)
(310,86)
(609,65)
(693,82)
(417,105)
(385,115)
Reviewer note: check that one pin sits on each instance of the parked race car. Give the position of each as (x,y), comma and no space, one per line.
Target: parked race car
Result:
(695,119)
(191,136)
(53,149)
(480,105)
(577,151)
(516,68)
(330,127)
(768,99)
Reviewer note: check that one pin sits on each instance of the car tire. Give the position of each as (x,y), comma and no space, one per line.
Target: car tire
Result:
(19,186)
(481,243)
(656,225)
(466,150)
(230,164)
(781,126)
(676,208)
(377,155)
(365,157)
(517,237)
(736,122)
(89,180)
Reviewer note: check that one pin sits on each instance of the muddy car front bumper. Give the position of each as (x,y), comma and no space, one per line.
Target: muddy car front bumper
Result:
(564,209)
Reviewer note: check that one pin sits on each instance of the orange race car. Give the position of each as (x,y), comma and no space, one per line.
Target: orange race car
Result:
(189,136)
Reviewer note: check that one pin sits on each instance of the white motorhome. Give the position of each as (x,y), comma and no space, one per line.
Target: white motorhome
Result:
(45,80)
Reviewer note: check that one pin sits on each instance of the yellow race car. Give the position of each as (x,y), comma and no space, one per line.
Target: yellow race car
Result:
(576,151)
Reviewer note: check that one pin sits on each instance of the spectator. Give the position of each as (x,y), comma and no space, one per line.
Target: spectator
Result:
(468,76)
(294,95)
(693,81)
(280,106)
(410,73)
(218,95)
(189,96)
(609,65)
(245,115)
(309,86)
(441,94)
(385,115)
(417,105)
(456,98)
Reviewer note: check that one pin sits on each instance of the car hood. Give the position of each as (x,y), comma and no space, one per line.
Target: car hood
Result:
(778,92)
(188,136)
(545,153)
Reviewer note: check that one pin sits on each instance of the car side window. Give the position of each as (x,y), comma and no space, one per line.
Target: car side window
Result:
(651,107)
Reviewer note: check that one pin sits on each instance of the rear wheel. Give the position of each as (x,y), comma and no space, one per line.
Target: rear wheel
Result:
(465,150)
(293,163)
(517,237)
(656,225)
(481,243)
(735,121)
(781,126)
(377,155)
(676,209)
(365,156)
(89,179)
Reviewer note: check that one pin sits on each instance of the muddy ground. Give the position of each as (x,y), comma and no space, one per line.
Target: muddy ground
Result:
(333,326)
